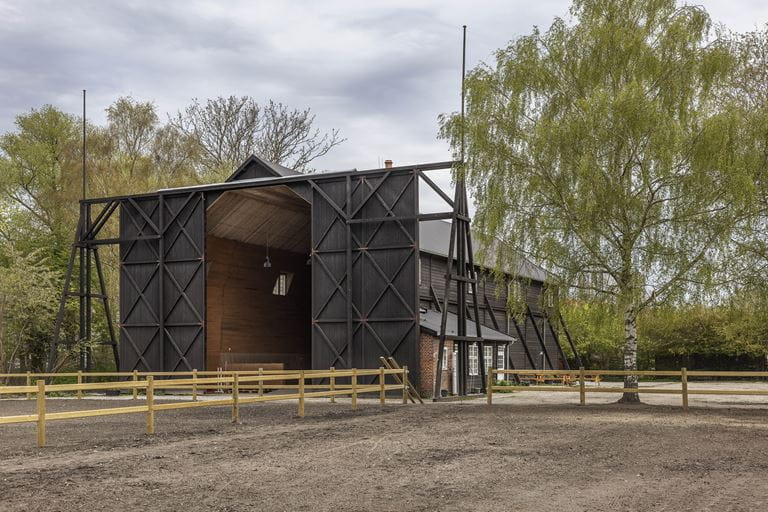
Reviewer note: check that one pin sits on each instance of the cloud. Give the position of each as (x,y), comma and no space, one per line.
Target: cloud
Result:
(379,72)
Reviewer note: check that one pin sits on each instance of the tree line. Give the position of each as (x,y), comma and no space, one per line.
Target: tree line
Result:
(134,151)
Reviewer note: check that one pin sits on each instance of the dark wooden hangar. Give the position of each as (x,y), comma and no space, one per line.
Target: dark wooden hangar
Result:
(273,267)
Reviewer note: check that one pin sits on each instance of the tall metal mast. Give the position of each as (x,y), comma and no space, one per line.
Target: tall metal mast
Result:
(461,240)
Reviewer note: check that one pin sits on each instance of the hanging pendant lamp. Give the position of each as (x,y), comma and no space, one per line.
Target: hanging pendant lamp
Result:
(267,263)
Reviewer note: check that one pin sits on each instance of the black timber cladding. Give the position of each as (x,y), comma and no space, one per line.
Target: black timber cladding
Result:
(527,352)
(364,255)
(162,282)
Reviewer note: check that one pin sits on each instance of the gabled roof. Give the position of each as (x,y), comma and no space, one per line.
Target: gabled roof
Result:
(434,237)
(257,167)
(430,322)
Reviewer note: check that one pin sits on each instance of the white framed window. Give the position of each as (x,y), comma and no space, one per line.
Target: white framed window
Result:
(418,270)
(500,359)
(488,356)
(445,358)
(474,361)
(282,284)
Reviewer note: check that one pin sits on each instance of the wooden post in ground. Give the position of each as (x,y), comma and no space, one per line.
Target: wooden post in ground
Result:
(382,388)
(150,405)
(79,381)
(489,386)
(405,384)
(684,379)
(40,413)
(582,387)
(261,382)
(135,380)
(301,394)
(354,389)
(235,398)
(194,385)
(333,385)
(29,383)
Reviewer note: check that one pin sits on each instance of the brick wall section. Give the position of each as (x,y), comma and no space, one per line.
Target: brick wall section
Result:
(428,346)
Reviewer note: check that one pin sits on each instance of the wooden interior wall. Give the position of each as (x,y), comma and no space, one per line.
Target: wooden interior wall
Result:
(245,321)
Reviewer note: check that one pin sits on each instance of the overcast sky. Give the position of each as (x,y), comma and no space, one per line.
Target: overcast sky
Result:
(379,72)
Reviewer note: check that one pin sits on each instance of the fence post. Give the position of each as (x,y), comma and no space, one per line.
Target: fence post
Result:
(135,380)
(333,384)
(684,379)
(194,385)
(301,394)
(40,413)
(29,383)
(150,404)
(79,381)
(382,388)
(489,386)
(235,398)
(261,382)
(405,384)
(582,387)
(354,389)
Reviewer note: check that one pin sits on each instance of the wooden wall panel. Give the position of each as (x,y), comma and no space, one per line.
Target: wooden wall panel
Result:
(433,269)
(246,322)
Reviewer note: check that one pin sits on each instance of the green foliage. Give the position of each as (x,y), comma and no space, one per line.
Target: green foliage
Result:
(28,297)
(597,332)
(607,149)
(504,383)
(728,330)
(41,183)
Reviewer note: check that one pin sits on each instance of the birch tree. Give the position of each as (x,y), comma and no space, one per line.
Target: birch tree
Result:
(604,149)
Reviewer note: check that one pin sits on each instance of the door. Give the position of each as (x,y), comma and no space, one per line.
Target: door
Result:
(364,270)
(162,283)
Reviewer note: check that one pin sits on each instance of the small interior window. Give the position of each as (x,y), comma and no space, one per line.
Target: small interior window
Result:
(282,284)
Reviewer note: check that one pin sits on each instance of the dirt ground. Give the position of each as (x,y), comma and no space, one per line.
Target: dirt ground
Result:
(529,451)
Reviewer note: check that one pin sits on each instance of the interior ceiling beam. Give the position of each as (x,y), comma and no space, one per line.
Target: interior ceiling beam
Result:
(286,203)
(274,216)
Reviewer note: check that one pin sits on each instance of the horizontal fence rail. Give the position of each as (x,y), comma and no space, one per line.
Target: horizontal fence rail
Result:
(574,381)
(230,382)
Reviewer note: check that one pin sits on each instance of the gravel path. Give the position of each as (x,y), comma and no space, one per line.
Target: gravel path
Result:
(530,451)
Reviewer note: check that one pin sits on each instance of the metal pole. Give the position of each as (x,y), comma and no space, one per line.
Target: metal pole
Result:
(463,75)
(88,299)
(81,293)
(444,311)
(476,308)
(84,175)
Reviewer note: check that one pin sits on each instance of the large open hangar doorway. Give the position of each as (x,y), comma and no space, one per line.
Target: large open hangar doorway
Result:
(258,275)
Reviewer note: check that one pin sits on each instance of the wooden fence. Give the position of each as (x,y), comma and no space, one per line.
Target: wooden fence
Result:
(574,381)
(232,383)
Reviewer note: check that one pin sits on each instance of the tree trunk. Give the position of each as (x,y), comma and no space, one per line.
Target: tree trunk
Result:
(630,354)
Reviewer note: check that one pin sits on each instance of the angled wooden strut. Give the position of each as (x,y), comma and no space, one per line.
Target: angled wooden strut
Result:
(391,364)
(460,244)
(85,254)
